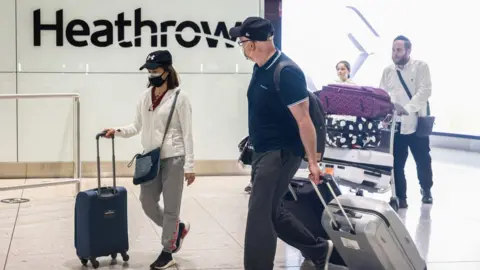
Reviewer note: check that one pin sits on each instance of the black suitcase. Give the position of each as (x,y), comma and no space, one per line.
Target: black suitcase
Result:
(101,225)
(306,207)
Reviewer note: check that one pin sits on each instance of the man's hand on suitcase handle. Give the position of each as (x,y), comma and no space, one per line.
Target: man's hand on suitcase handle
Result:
(316,174)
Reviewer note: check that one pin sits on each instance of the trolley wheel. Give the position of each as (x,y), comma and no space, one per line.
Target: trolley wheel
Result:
(394,203)
(114,256)
(125,257)
(84,261)
(94,263)
(359,192)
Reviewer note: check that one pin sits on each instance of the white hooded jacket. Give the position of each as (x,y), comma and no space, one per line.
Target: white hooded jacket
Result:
(151,124)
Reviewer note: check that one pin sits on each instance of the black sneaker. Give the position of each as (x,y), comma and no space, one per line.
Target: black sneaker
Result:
(164,261)
(402,203)
(426,196)
(183,229)
(324,265)
(248,188)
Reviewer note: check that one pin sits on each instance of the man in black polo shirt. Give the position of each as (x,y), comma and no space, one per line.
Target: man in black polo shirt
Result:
(281,131)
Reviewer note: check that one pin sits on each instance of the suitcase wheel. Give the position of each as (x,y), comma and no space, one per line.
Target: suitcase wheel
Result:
(394,203)
(114,256)
(84,261)
(359,193)
(125,256)
(94,263)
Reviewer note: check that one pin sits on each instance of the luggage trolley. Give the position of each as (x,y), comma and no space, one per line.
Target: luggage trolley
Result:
(359,188)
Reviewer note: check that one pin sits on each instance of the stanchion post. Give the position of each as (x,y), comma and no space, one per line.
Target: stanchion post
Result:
(77,163)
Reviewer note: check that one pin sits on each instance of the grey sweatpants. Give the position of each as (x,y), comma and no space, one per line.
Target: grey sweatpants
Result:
(169,182)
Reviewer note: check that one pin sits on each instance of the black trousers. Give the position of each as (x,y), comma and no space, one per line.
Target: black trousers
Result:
(267,218)
(420,148)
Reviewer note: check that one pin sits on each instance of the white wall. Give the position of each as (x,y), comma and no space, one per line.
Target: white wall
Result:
(8,120)
(7,32)
(8,129)
(108,79)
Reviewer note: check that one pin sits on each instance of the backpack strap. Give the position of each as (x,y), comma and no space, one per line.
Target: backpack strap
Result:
(278,69)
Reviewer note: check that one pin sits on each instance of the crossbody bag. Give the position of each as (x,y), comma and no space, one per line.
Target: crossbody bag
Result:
(147,165)
(425,123)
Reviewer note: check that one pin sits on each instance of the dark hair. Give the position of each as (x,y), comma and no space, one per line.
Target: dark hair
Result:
(408,43)
(346,64)
(172,79)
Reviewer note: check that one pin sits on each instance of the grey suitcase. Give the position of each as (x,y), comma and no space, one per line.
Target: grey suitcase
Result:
(368,234)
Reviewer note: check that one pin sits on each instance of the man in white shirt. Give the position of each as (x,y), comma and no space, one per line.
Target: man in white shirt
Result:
(416,75)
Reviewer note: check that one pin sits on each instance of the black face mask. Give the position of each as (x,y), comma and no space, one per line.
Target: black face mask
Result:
(157,81)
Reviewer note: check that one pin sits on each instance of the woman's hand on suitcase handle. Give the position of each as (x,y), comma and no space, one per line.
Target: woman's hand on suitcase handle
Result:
(109,132)
(189,178)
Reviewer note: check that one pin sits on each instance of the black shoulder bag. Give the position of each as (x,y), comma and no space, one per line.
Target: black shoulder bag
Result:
(246,152)
(147,165)
(425,123)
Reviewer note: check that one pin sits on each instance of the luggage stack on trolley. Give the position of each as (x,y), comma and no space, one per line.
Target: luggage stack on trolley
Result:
(361,123)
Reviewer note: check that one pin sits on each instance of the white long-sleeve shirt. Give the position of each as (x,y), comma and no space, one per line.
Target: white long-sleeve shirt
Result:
(416,75)
(151,124)
(339,81)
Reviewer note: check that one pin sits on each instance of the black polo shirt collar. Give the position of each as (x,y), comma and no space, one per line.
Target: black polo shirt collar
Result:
(271,61)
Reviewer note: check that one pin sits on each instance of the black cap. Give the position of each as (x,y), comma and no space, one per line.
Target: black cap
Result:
(157,59)
(253,28)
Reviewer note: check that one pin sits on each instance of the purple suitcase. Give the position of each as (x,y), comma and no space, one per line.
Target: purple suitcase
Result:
(368,102)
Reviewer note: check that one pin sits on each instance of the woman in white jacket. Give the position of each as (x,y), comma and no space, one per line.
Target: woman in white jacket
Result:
(177,160)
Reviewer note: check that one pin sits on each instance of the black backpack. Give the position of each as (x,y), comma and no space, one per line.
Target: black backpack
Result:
(317,114)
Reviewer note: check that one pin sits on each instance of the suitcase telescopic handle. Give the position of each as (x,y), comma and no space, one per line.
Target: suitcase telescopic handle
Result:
(325,182)
(97,137)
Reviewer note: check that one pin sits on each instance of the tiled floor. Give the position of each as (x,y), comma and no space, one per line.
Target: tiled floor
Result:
(39,234)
